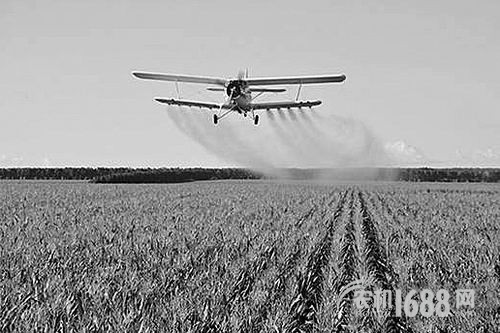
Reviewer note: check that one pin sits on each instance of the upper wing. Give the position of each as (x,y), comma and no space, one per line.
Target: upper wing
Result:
(180,78)
(295,80)
(283,105)
(180,102)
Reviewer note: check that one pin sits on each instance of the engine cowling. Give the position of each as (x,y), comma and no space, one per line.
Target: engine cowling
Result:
(234,88)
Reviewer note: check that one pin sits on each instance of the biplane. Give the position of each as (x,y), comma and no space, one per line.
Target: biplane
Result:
(239,92)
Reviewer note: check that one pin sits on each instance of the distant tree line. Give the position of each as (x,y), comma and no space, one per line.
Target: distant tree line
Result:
(60,173)
(128,175)
(490,175)
(175,175)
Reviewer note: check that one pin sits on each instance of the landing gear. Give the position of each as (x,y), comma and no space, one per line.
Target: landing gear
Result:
(216,119)
(256,119)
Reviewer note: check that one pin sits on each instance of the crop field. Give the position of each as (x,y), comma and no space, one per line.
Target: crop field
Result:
(244,256)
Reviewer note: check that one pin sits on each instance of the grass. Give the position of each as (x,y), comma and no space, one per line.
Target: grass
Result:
(241,256)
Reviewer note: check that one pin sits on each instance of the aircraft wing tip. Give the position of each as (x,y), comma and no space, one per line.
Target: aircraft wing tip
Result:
(138,74)
(161,100)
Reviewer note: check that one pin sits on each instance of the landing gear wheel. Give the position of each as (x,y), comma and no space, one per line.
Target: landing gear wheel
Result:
(256,119)
(216,119)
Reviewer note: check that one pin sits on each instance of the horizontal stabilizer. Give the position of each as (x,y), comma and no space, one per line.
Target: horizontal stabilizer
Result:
(263,90)
(284,105)
(273,90)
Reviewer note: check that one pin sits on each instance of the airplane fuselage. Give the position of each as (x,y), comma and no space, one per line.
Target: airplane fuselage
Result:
(240,95)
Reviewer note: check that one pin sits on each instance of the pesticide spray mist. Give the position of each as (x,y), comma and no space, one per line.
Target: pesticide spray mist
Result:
(284,139)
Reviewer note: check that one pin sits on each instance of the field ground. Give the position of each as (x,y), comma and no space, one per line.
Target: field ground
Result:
(243,256)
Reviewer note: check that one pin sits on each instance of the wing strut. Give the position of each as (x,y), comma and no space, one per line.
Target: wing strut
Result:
(298,92)
(177,89)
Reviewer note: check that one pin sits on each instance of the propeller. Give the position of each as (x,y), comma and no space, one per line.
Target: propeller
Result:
(241,75)
(232,89)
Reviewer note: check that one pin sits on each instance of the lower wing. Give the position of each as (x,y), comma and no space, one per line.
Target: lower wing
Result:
(183,102)
(283,105)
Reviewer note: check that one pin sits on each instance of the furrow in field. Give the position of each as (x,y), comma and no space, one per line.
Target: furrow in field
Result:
(375,261)
(379,270)
(308,296)
(348,263)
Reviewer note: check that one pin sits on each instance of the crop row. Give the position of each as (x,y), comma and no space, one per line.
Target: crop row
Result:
(309,290)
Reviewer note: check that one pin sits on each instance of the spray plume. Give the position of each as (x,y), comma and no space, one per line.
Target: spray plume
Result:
(284,139)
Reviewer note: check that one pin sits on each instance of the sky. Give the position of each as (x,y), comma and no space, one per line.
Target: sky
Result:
(422,76)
